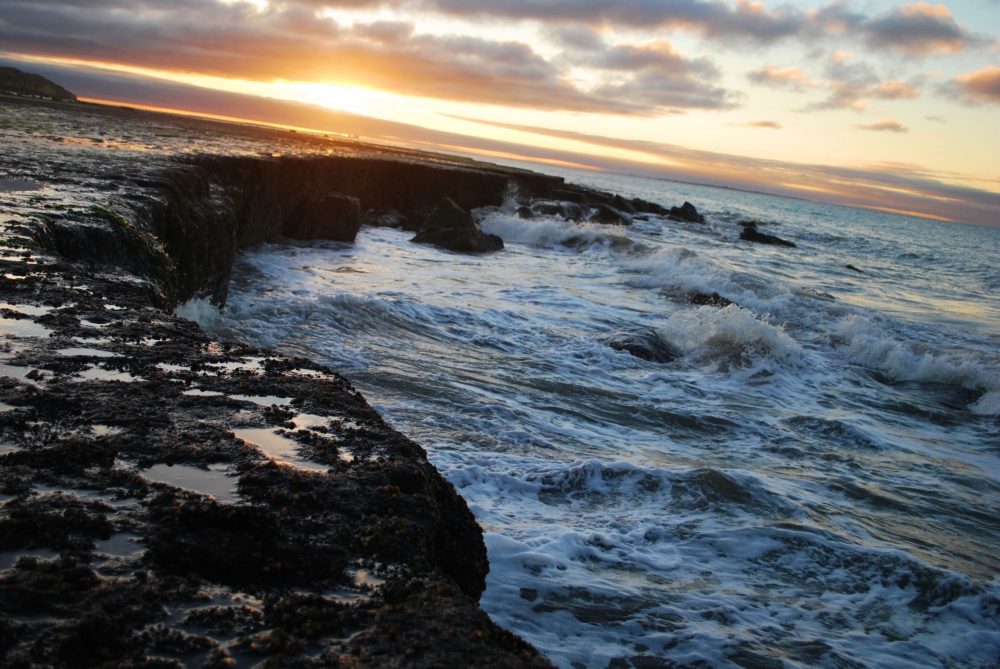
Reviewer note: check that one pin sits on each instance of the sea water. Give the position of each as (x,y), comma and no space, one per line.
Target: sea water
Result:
(815,481)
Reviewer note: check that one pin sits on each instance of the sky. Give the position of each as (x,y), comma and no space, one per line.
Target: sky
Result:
(883,104)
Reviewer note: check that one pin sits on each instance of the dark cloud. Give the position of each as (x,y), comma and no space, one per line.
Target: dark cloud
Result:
(888,125)
(978,87)
(918,29)
(291,42)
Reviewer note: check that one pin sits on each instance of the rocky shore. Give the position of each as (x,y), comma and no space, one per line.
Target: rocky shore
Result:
(167,499)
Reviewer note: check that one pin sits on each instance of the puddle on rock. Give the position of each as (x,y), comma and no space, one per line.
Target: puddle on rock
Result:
(4,408)
(304,420)
(212,481)
(106,430)
(7,560)
(92,352)
(264,400)
(198,392)
(167,367)
(18,186)
(278,447)
(123,544)
(6,448)
(22,328)
(99,374)
(16,372)
(26,309)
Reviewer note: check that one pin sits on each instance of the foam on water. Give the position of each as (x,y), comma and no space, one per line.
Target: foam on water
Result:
(813,482)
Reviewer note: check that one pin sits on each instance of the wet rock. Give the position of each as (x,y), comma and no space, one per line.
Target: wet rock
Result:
(623,205)
(686,212)
(644,207)
(564,195)
(336,217)
(386,219)
(525,213)
(451,227)
(570,211)
(642,343)
(713,300)
(608,215)
(751,234)
(853,269)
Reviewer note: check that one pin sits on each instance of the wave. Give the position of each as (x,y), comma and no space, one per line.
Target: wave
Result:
(548,231)
(864,342)
(732,333)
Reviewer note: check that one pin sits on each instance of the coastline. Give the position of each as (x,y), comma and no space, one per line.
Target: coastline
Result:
(122,423)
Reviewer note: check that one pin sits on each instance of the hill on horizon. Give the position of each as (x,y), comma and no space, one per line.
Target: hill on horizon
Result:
(17,82)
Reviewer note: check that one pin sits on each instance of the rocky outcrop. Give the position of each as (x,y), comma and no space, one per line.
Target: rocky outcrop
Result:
(686,212)
(752,234)
(17,82)
(642,343)
(451,227)
(336,217)
(710,300)
(608,215)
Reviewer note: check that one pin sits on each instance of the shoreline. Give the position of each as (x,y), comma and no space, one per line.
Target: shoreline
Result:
(129,433)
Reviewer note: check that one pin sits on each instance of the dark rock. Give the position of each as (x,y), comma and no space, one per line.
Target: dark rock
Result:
(15,81)
(451,227)
(713,300)
(608,215)
(642,343)
(623,205)
(561,194)
(524,212)
(751,234)
(336,217)
(642,206)
(567,210)
(686,212)
(854,269)
(386,219)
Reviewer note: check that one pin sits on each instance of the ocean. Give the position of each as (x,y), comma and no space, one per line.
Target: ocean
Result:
(814,482)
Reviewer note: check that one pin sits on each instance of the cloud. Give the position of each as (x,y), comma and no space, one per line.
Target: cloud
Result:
(918,29)
(292,42)
(913,29)
(853,84)
(978,87)
(771,125)
(939,119)
(888,125)
(789,77)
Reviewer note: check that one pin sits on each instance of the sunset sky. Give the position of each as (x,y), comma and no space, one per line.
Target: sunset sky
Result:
(876,103)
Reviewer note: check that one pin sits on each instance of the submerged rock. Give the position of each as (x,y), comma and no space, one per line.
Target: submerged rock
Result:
(336,217)
(642,343)
(751,234)
(524,212)
(686,212)
(608,215)
(713,300)
(853,269)
(451,227)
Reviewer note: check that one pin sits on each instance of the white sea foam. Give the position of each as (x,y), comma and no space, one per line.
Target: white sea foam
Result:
(549,230)
(866,342)
(731,332)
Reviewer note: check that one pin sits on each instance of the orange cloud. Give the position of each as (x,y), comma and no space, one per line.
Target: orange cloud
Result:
(977,87)
(771,125)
